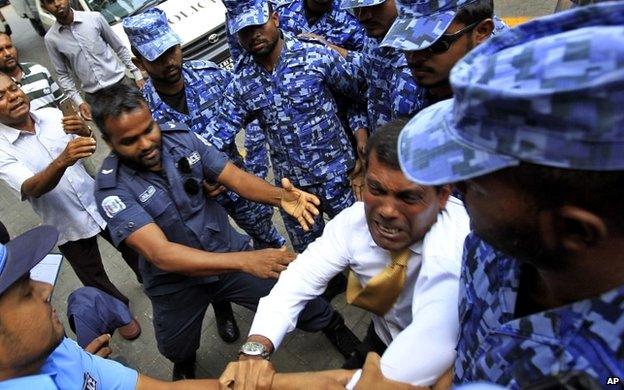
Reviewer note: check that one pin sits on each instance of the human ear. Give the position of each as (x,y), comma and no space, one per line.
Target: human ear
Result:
(482,32)
(573,228)
(443,194)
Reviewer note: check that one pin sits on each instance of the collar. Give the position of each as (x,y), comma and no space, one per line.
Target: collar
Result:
(11,134)
(78,18)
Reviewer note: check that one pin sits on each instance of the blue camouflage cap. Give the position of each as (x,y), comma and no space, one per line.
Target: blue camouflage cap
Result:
(549,92)
(422,22)
(350,4)
(242,14)
(150,34)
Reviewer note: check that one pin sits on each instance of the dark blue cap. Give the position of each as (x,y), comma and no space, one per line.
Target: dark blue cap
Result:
(23,252)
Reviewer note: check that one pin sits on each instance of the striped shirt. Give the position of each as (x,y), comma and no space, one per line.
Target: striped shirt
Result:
(37,83)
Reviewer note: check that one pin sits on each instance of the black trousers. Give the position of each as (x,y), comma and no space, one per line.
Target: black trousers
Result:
(86,261)
(371,343)
(178,316)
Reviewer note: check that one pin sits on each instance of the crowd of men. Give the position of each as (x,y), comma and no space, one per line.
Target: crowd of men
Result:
(458,179)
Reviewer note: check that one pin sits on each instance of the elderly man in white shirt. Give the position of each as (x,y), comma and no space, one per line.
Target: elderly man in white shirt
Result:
(421,326)
(41,163)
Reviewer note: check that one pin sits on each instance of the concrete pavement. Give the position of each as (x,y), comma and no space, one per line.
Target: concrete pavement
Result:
(299,352)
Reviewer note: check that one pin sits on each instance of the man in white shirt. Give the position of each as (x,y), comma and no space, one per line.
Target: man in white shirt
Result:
(420,329)
(41,163)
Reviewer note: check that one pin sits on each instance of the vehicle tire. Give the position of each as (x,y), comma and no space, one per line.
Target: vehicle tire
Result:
(38,26)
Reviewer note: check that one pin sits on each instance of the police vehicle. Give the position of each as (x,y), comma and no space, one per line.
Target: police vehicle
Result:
(200,24)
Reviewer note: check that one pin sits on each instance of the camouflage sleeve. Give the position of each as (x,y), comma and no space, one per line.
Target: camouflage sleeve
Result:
(256,159)
(231,117)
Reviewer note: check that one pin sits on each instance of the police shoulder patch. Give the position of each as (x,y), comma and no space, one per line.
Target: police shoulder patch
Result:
(112,205)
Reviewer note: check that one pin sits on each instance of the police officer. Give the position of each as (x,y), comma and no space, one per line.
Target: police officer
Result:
(534,139)
(435,36)
(150,192)
(323,18)
(392,92)
(285,83)
(190,92)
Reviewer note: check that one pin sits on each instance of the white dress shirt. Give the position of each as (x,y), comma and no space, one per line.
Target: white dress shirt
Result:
(424,319)
(87,47)
(70,206)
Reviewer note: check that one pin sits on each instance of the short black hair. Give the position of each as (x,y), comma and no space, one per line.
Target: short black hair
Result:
(384,142)
(600,192)
(114,101)
(475,12)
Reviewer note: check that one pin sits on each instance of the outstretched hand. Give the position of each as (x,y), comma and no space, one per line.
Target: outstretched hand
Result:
(299,204)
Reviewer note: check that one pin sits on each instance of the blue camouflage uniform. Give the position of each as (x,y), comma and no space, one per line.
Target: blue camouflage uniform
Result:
(392,91)
(336,26)
(129,199)
(204,83)
(298,115)
(548,92)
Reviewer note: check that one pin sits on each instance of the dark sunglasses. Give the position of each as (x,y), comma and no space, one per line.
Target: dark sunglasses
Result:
(191,186)
(446,40)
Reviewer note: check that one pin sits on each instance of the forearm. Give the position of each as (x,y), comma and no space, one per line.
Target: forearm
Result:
(250,186)
(147,383)
(44,181)
(334,379)
(189,261)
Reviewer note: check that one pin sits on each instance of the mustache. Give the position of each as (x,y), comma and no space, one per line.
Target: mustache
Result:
(419,66)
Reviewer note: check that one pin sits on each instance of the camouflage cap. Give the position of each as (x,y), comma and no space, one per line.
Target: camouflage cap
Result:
(549,92)
(350,4)
(149,33)
(246,13)
(421,22)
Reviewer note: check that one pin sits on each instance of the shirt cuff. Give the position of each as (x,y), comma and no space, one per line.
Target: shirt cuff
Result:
(354,380)
(77,99)
(268,324)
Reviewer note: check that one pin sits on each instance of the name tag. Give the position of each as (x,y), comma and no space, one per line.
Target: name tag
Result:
(194,158)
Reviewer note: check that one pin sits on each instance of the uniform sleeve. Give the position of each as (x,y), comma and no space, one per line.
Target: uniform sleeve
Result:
(121,211)
(14,173)
(74,368)
(65,78)
(118,47)
(256,159)
(345,78)
(213,160)
(305,279)
(231,118)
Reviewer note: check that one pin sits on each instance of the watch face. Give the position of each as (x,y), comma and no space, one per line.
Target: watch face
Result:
(253,349)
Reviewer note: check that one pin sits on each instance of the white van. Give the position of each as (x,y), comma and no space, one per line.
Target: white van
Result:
(200,24)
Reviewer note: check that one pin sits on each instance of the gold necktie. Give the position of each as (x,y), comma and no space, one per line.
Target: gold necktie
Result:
(381,292)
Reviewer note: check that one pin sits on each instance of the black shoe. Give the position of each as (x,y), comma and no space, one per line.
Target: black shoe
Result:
(337,285)
(184,370)
(338,334)
(226,324)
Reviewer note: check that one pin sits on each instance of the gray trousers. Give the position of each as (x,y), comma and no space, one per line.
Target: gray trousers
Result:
(178,316)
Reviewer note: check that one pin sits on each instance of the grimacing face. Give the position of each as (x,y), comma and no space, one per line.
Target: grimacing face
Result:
(30,328)
(259,41)
(14,104)
(135,138)
(398,211)
(167,68)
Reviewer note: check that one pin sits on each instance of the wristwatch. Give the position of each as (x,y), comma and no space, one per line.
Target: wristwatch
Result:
(254,349)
